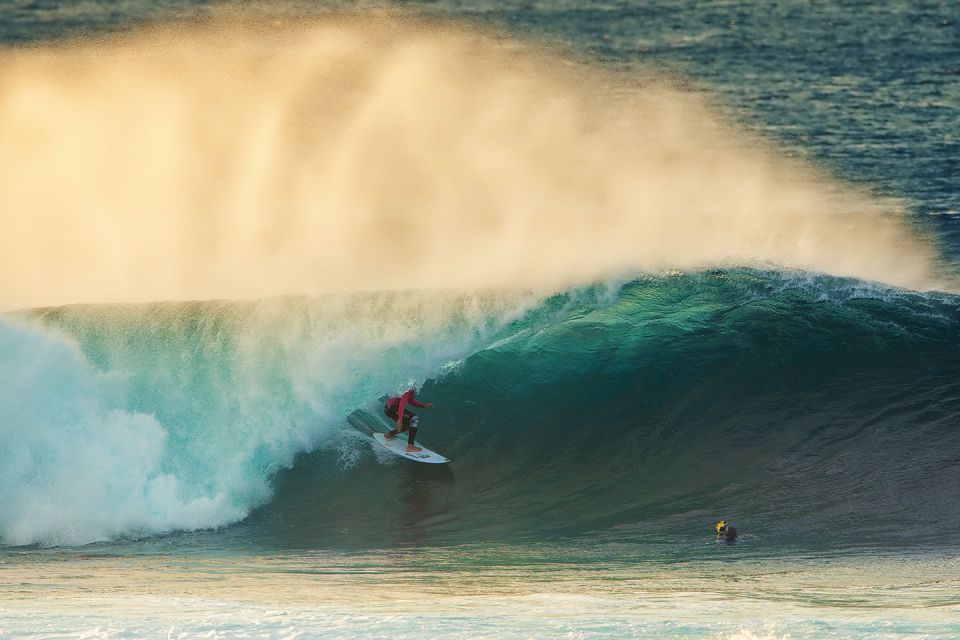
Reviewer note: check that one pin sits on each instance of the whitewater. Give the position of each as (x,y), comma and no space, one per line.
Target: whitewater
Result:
(646,282)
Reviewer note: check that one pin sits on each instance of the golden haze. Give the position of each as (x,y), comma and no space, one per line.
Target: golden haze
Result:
(242,158)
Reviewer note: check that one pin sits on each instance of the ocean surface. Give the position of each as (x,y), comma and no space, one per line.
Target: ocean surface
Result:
(655,264)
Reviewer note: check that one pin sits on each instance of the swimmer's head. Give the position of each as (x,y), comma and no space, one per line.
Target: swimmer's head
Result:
(721,525)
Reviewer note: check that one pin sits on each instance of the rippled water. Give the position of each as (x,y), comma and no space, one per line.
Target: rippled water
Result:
(538,590)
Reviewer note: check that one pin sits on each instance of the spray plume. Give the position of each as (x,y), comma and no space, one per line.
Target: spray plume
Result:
(242,158)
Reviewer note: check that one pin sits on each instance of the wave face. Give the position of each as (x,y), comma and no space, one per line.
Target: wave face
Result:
(804,405)
(815,409)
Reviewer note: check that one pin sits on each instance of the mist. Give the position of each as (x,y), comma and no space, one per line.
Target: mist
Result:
(242,158)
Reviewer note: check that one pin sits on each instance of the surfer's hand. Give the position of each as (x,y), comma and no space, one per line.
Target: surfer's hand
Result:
(429,405)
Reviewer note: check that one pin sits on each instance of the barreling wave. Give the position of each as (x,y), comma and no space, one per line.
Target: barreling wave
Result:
(797,401)
(818,410)
(244,157)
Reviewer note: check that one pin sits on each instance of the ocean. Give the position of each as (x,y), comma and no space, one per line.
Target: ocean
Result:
(655,264)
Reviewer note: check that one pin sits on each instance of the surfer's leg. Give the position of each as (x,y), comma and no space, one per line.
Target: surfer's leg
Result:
(393,416)
(414,421)
(410,422)
(395,432)
(408,418)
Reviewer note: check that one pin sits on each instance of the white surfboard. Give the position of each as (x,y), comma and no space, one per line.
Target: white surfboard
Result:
(398,446)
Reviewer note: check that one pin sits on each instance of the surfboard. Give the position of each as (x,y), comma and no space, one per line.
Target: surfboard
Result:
(398,446)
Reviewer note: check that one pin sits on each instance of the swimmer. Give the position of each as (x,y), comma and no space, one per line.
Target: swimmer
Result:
(726,532)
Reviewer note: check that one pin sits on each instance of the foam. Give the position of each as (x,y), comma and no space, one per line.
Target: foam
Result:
(135,420)
(76,466)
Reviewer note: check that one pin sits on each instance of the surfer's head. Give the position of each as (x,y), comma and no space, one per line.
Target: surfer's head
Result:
(726,531)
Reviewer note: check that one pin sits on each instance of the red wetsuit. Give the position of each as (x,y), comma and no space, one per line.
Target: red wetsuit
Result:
(397,406)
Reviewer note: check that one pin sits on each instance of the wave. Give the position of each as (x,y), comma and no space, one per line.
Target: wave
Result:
(802,402)
(244,157)
(817,410)
(124,420)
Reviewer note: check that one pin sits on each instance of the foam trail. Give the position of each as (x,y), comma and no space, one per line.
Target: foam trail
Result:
(241,158)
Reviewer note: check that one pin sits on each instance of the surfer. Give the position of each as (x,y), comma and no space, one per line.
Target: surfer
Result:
(396,409)
(726,532)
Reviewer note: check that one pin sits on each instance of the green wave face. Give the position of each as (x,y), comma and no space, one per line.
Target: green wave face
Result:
(812,409)
(815,410)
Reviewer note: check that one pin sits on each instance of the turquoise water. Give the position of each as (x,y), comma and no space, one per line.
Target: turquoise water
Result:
(186,469)
(579,502)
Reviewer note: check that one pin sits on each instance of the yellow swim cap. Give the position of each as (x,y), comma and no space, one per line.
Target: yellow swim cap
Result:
(721,525)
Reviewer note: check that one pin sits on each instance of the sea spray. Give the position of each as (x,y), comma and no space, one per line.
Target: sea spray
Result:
(76,464)
(135,419)
(243,157)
